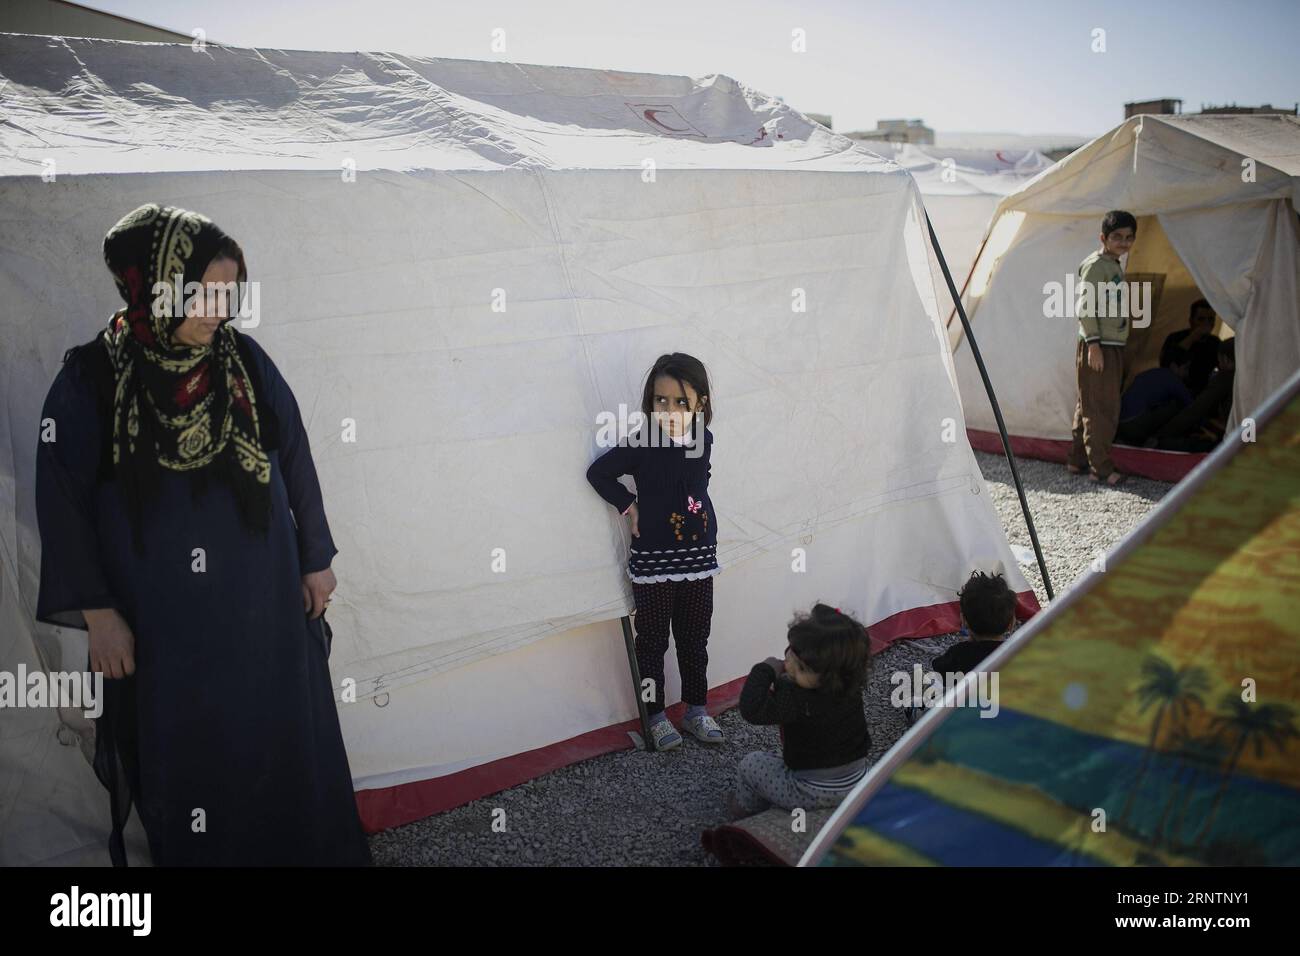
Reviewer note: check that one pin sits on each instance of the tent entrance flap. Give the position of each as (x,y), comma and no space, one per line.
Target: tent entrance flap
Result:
(1168,298)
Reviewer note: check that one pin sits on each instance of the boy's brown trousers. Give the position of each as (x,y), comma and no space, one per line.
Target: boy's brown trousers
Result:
(1096,413)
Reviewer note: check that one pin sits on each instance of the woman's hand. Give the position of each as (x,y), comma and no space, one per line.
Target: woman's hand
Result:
(316,590)
(777,664)
(633,514)
(112,645)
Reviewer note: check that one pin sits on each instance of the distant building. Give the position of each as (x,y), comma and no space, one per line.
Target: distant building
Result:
(62,19)
(1049,143)
(1160,107)
(823,118)
(1168,106)
(1266,108)
(897,131)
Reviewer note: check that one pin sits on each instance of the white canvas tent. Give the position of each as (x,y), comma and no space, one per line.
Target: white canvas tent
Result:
(1215,198)
(961,189)
(386,204)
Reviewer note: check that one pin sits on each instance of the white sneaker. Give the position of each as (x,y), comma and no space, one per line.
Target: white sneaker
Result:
(704,728)
(665,735)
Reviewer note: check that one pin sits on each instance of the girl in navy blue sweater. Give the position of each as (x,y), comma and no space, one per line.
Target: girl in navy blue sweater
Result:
(673,556)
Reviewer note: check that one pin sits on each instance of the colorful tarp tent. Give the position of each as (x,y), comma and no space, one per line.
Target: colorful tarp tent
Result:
(1151,715)
(1215,198)
(462,265)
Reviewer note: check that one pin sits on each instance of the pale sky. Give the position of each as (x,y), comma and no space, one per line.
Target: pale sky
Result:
(1015,66)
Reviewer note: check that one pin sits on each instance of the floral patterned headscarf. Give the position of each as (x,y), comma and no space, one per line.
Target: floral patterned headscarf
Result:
(179,407)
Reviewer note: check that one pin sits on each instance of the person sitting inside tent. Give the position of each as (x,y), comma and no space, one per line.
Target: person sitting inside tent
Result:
(814,696)
(988,612)
(1199,339)
(1155,397)
(1200,426)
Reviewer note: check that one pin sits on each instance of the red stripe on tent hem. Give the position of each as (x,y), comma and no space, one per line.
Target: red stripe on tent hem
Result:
(1154,463)
(393,806)
(387,807)
(935,619)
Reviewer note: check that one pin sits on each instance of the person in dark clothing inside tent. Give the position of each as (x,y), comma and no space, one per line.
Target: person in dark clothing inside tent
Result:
(182,525)
(1200,342)
(1200,426)
(1155,397)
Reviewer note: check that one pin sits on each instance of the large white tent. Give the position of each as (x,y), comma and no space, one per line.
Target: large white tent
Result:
(1216,199)
(466,263)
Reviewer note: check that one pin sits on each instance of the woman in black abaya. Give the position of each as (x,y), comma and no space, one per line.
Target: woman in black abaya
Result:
(182,524)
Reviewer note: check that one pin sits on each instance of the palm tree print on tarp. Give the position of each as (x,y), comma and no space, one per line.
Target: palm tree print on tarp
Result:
(1196,757)
(1172,692)
(1245,724)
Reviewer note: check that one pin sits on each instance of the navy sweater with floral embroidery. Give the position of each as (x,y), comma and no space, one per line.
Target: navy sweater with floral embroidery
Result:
(678,530)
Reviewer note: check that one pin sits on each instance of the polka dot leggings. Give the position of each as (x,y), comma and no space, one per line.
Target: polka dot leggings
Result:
(763,780)
(686,607)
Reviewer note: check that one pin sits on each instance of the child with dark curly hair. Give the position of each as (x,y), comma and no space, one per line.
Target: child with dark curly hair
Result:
(814,696)
(988,612)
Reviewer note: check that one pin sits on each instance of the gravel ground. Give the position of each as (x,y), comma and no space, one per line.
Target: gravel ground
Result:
(583,815)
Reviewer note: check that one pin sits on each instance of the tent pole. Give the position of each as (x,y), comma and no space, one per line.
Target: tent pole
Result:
(630,643)
(993,400)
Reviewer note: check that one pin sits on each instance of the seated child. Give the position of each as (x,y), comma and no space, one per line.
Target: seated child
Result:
(1156,396)
(815,697)
(988,611)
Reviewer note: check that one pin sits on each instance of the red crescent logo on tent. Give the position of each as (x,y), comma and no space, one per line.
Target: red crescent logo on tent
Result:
(999,155)
(659,122)
(650,113)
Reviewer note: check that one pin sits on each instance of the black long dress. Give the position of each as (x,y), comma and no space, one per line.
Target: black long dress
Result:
(227,738)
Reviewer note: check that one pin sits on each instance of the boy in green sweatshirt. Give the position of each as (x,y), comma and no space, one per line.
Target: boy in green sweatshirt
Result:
(1099,357)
